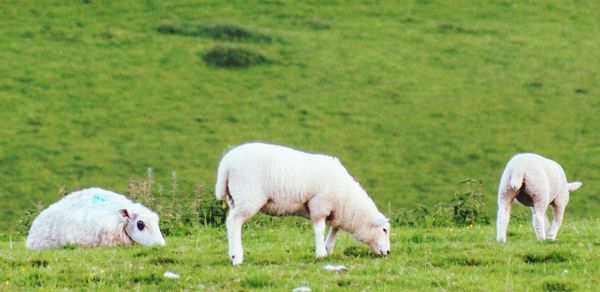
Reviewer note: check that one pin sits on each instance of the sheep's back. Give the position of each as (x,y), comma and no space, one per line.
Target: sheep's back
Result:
(79,218)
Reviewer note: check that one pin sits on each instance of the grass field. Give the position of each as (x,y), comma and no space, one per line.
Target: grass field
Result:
(432,259)
(414,97)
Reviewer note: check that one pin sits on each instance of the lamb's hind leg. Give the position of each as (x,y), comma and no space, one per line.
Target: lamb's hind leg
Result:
(505,200)
(539,219)
(235,219)
(559,211)
(331,240)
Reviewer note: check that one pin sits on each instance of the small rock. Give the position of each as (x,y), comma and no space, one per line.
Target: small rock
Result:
(339,268)
(301,289)
(171,275)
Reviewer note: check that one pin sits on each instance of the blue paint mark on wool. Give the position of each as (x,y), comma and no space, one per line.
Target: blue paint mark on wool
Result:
(99,198)
(98,201)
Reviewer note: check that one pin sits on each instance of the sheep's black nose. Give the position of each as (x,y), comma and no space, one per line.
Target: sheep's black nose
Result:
(388,252)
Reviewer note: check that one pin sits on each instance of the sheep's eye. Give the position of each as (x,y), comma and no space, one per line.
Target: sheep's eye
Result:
(141,225)
(385,230)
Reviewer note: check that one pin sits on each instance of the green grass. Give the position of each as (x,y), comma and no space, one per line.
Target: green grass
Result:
(422,259)
(413,97)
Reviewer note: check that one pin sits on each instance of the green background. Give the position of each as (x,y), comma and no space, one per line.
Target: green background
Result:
(412,96)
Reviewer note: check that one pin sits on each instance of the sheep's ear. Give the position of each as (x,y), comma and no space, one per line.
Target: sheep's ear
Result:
(574,186)
(380,220)
(124,213)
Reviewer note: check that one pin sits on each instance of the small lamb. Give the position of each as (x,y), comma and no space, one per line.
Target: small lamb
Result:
(94,217)
(282,181)
(535,182)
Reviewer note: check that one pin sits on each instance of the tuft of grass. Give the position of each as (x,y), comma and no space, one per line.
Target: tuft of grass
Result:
(162,261)
(464,261)
(552,257)
(557,286)
(232,32)
(169,27)
(218,31)
(534,84)
(225,56)
(35,279)
(150,280)
(69,247)
(447,27)
(37,263)
(256,282)
(358,251)
(317,24)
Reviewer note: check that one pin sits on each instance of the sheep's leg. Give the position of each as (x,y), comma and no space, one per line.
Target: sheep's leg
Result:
(234,236)
(319,226)
(559,211)
(234,222)
(504,206)
(319,208)
(538,220)
(331,240)
(547,224)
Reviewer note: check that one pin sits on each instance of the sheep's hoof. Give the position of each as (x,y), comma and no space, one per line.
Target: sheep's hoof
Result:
(235,260)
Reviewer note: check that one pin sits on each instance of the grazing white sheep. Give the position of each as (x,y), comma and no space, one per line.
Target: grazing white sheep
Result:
(282,181)
(536,182)
(94,217)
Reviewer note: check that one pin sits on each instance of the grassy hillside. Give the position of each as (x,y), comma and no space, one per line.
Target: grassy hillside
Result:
(432,259)
(413,97)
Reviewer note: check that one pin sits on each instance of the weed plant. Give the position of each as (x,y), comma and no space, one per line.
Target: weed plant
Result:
(181,213)
(465,209)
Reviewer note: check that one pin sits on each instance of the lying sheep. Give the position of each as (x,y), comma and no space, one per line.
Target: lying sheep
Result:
(535,182)
(282,181)
(94,217)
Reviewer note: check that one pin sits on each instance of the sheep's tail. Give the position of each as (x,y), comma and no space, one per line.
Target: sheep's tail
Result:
(222,179)
(516,178)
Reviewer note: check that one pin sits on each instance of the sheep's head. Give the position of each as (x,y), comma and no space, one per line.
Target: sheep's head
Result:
(376,234)
(142,227)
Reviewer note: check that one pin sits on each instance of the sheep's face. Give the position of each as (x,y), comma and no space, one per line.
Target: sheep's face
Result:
(143,228)
(377,235)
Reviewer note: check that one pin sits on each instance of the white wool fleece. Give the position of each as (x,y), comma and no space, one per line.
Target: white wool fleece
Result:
(94,217)
(282,181)
(536,182)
